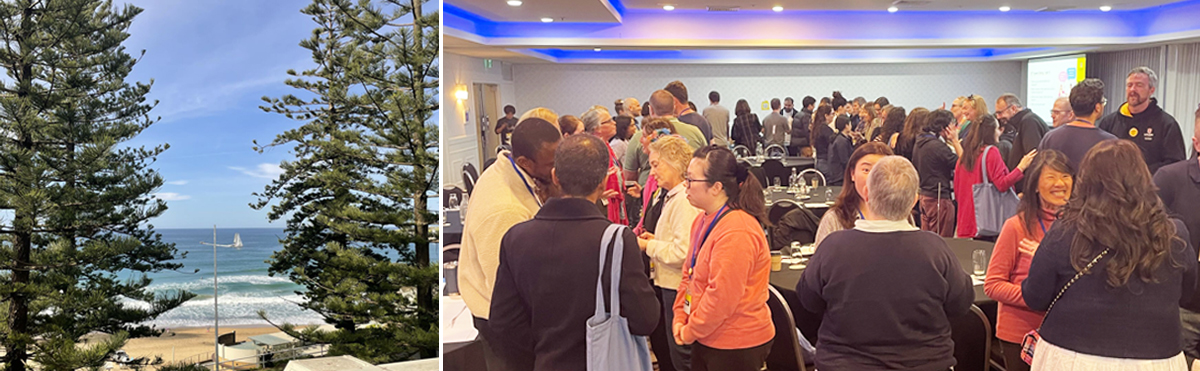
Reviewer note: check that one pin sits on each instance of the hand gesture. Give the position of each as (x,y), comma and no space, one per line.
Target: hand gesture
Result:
(1028,159)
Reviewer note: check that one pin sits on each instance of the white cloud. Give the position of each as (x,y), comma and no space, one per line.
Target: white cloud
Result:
(178,182)
(171,196)
(265,171)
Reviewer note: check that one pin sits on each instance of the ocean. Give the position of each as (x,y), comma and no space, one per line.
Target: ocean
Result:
(244,287)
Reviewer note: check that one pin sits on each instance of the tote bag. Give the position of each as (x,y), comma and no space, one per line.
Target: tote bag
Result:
(610,345)
(992,206)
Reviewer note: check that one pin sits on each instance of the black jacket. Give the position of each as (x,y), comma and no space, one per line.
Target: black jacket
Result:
(800,125)
(1029,132)
(747,131)
(1153,130)
(935,162)
(546,286)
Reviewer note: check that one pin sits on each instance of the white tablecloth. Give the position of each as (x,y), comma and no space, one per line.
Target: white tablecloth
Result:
(457,324)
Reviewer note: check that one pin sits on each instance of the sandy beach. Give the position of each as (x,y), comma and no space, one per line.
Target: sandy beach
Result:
(184,342)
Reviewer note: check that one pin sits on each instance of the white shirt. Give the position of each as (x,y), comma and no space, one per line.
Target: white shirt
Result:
(670,245)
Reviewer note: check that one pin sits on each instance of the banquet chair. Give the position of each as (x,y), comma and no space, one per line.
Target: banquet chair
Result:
(774,169)
(758,172)
(469,176)
(785,352)
(780,208)
(741,151)
(776,151)
(447,192)
(972,335)
(809,174)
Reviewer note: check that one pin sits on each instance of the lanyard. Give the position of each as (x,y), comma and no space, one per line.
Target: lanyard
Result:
(1043,223)
(522,175)
(860,215)
(1086,121)
(696,250)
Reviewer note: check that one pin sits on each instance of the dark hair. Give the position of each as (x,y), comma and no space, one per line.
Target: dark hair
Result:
(742,108)
(714,96)
(581,164)
(789,100)
(1085,96)
(1113,176)
(817,121)
(882,101)
(510,109)
(691,105)
(848,201)
(623,124)
(1030,208)
(774,103)
(743,189)
(981,135)
(825,101)
(618,105)
(860,100)
(838,100)
(530,135)
(808,101)
(645,108)
(677,90)
(937,121)
(893,123)
(840,123)
(568,124)
(655,123)
(913,124)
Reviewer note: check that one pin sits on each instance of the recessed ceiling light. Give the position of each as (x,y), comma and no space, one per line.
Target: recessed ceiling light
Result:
(514,2)
(547,20)
(893,9)
(596,49)
(777,8)
(668,7)
(1105,8)
(1005,8)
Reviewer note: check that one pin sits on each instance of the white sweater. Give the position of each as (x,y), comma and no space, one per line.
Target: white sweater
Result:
(672,238)
(500,201)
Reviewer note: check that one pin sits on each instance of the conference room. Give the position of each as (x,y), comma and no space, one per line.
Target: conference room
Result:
(795,101)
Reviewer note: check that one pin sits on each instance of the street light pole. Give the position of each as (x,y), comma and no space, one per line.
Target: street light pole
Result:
(237,243)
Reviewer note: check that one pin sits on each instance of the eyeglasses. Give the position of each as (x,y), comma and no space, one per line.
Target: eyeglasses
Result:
(689,181)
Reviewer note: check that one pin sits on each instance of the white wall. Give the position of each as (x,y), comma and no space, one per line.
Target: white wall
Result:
(459,137)
(571,89)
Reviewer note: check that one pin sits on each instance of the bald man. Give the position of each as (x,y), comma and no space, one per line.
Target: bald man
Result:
(1061,113)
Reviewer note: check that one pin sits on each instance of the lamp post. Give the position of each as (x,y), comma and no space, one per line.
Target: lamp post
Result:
(237,244)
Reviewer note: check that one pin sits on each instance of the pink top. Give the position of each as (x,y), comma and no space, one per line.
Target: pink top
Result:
(1006,271)
(998,174)
(647,195)
(616,204)
(728,286)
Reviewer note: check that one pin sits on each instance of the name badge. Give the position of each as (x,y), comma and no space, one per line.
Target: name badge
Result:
(687,303)
(652,270)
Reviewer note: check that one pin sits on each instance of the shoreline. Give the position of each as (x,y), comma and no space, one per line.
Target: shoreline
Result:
(177,344)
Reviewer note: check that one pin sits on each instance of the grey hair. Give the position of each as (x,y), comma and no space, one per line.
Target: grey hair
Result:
(1011,100)
(892,188)
(593,118)
(1149,74)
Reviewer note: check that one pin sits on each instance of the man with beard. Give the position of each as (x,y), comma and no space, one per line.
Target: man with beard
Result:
(1143,122)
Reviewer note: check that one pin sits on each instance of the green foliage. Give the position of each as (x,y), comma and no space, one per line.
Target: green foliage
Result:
(356,195)
(76,198)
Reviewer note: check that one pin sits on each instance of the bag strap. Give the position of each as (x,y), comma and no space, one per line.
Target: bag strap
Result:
(611,235)
(1073,279)
(983,165)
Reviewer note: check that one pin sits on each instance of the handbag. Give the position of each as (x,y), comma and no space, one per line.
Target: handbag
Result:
(610,345)
(1029,343)
(992,206)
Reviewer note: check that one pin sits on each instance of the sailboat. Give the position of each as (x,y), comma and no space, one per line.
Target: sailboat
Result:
(237,240)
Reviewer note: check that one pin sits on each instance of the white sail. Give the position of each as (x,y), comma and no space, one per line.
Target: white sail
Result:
(237,240)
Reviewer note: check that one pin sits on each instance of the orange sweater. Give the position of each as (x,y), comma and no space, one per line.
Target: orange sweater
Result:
(729,285)
(1008,268)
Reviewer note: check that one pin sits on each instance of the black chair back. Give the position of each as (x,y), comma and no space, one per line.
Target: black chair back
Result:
(779,209)
(972,334)
(758,173)
(774,169)
(469,177)
(447,192)
(785,352)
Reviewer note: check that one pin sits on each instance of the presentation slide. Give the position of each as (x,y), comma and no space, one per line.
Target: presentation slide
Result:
(1051,78)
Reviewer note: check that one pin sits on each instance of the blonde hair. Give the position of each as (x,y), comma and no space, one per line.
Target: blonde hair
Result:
(541,113)
(981,107)
(673,151)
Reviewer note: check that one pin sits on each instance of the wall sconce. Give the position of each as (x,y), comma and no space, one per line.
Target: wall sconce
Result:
(461,93)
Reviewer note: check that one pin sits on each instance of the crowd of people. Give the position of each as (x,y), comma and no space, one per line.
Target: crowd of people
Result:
(1100,237)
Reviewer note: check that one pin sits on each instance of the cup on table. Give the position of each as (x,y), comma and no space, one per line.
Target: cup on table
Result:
(979,262)
(814,182)
(776,183)
(776,261)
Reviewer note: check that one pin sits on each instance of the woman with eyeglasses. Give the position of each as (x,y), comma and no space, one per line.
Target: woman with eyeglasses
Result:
(972,108)
(721,307)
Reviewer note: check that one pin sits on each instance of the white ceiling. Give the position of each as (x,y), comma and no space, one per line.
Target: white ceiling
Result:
(904,4)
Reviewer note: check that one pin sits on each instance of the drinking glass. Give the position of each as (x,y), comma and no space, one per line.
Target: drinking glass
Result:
(776,182)
(979,261)
(828,195)
(453,202)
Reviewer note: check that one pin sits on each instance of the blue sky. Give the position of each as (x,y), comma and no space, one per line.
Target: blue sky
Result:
(212,62)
